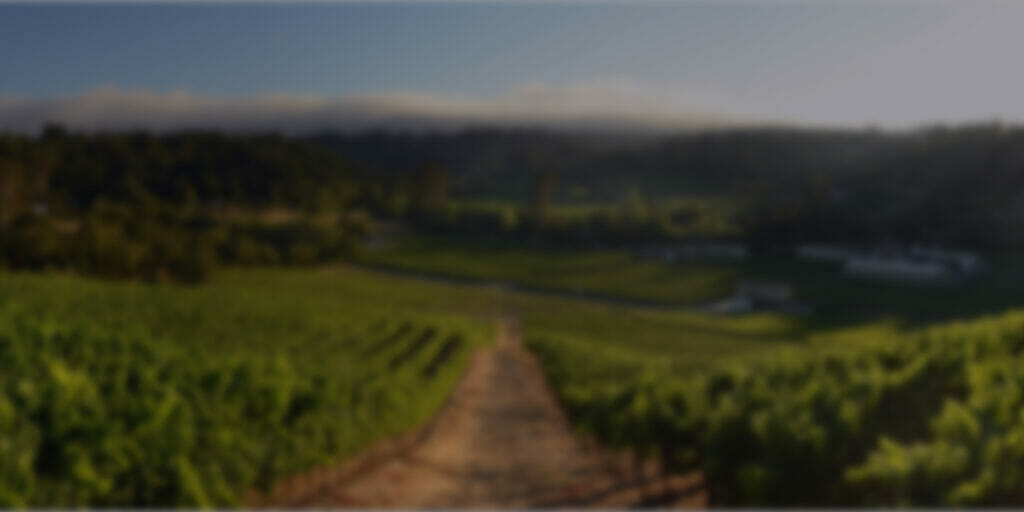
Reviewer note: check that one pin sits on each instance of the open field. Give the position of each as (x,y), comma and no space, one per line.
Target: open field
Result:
(600,273)
(838,301)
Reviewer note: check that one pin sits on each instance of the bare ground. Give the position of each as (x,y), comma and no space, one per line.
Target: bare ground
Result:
(502,440)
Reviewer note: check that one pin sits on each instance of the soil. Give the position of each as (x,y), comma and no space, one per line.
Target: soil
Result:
(501,441)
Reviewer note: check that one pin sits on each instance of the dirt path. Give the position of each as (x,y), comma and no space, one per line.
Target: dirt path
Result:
(501,441)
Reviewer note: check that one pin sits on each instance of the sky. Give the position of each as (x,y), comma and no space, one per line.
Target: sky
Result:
(302,66)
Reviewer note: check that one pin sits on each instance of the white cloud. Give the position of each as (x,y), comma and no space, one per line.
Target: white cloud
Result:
(614,104)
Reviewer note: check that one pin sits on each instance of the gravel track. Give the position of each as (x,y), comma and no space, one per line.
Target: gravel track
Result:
(501,441)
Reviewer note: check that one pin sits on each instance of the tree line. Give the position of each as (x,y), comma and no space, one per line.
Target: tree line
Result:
(941,185)
(172,207)
(175,206)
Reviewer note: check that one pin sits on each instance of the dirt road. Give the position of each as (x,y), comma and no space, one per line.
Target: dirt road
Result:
(501,441)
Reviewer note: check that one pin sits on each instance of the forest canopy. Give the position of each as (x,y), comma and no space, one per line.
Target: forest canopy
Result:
(174,206)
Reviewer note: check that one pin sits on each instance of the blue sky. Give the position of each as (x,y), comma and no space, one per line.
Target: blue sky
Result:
(830,61)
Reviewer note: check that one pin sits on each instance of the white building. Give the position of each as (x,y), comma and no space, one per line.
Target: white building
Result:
(902,269)
(965,262)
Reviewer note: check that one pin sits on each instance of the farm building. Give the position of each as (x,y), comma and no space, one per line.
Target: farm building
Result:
(892,262)
(924,268)
(964,262)
(898,269)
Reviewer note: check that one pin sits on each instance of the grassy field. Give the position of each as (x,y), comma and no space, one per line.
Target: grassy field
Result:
(838,301)
(602,273)
(845,309)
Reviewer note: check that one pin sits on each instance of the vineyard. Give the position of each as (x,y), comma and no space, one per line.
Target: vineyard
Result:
(117,394)
(930,417)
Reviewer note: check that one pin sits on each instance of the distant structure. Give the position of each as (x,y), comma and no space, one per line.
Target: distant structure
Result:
(898,269)
(914,265)
(963,262)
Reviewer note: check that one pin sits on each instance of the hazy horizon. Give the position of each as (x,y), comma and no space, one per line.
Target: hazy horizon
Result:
(648,67)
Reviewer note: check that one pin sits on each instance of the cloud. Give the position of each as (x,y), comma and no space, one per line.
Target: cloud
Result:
(600,105)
